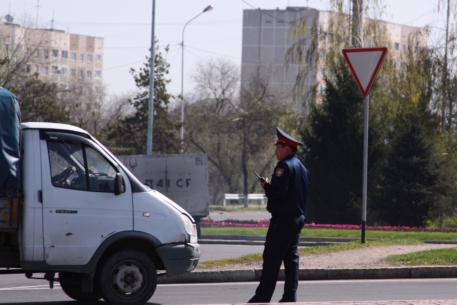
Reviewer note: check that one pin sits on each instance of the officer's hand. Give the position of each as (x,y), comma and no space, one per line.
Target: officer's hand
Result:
(262,184)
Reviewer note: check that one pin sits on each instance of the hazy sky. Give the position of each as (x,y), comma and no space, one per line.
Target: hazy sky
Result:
(126,27)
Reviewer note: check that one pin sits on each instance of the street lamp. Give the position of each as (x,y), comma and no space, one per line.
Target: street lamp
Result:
(207,9)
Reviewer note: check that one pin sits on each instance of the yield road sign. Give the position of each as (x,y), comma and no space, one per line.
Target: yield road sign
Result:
(364,64)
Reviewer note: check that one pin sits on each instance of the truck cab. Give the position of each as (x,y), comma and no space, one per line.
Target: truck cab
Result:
(83,215)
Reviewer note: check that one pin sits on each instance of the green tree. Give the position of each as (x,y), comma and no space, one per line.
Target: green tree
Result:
(131,132)
(334,150)
(408,191)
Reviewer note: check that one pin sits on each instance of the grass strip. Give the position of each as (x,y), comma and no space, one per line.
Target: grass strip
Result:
(355,234)
(304,251)
(425,258)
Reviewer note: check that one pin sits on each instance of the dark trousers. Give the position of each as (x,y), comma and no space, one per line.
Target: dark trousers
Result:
(281,245)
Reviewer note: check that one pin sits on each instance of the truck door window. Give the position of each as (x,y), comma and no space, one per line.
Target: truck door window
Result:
(78,166)
(101,173)
(66,164)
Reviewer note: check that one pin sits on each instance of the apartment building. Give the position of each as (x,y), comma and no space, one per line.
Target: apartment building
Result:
(72,61)
(266,40)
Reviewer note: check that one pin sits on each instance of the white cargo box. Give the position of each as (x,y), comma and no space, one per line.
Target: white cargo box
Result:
(182,177)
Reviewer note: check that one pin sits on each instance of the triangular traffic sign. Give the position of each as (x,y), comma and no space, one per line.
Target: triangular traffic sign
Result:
(364,64)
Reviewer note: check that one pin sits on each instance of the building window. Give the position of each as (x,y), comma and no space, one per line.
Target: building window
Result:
(89,74)
(98,58)
(64,54)
(81,73)
(397,46)
(81,57)
(89,58)
(73,72)
(46,53)
(55,53)
(37,53)
(403,48)
(19,48)
(54,69)
(98,74)
(64,70)
(45,70)
(29,51)
(98,89)
(73,57)
(37,69)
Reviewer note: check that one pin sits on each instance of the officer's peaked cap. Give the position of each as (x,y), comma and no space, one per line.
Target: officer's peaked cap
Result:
(284,138)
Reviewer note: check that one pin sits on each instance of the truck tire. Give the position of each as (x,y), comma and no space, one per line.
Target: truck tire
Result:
(71,284)
(128,277)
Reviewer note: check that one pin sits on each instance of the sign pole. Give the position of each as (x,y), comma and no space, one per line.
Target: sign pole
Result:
(364,64)
(366,102)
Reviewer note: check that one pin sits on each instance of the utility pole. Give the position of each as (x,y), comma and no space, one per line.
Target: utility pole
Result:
(151,86)
(445,82)
(37,12)
(357,22)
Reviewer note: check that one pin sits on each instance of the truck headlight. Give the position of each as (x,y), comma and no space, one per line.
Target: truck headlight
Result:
(191,229)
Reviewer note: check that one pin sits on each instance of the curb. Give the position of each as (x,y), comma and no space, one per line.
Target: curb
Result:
(250,275)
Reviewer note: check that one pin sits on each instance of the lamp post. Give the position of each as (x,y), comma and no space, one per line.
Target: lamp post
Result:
(208,8)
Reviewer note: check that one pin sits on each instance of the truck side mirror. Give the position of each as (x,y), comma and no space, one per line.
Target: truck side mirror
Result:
(118,184)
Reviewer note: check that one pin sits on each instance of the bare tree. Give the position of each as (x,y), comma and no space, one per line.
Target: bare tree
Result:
(236,132)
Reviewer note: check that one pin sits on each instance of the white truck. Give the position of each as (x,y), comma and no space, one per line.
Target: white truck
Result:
(181,177)
(83,215)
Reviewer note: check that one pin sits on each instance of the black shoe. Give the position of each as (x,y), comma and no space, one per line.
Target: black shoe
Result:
(253,300)
(286,301)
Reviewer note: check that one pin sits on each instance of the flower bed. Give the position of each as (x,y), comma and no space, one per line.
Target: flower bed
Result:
(264,224)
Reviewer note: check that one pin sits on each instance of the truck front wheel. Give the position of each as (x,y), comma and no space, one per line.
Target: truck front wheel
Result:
(128,277)
(71,284)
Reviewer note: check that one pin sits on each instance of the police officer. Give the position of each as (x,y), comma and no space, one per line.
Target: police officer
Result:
(286,193)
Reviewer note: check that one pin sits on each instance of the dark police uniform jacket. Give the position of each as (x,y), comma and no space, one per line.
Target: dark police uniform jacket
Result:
(287,192)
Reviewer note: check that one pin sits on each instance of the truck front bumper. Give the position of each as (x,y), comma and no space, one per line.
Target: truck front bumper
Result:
(179,258)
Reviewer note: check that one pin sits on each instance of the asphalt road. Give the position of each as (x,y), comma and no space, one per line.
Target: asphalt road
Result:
(215,252)
(17,289)
(248,215)
(312,291)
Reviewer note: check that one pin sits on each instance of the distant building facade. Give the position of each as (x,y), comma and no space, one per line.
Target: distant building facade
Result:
(266,42)
(72,61)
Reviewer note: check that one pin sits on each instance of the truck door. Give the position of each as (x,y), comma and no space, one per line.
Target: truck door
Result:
(80,209)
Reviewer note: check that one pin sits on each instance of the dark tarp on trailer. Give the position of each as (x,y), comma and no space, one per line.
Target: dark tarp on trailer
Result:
(10,126)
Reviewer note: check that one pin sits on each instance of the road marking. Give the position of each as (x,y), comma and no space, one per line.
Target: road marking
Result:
(316,282)
(37,287)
